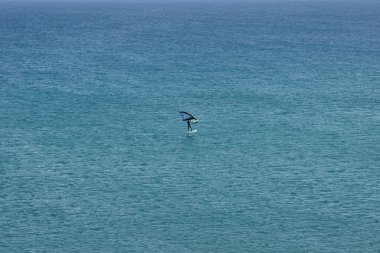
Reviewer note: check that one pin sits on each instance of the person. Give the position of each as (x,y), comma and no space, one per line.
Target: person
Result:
(189,125)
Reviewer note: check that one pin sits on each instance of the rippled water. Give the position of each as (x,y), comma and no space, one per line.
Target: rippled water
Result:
(94,157)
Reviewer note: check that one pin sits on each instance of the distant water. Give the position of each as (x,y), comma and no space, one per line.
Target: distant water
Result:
(94,157)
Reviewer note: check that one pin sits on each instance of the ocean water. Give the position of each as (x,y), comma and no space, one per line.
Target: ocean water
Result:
(94,156)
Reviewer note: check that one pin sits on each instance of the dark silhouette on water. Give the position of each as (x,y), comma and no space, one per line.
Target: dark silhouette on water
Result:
(189,119)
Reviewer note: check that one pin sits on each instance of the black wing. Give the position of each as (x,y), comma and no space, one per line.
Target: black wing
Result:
(186,116)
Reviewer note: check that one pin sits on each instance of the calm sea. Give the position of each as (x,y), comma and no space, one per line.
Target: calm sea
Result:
(94,156)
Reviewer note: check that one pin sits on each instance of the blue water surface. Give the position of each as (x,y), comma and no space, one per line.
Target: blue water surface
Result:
(94,157)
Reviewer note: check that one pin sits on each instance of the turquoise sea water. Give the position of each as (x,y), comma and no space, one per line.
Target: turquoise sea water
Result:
(94,157)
